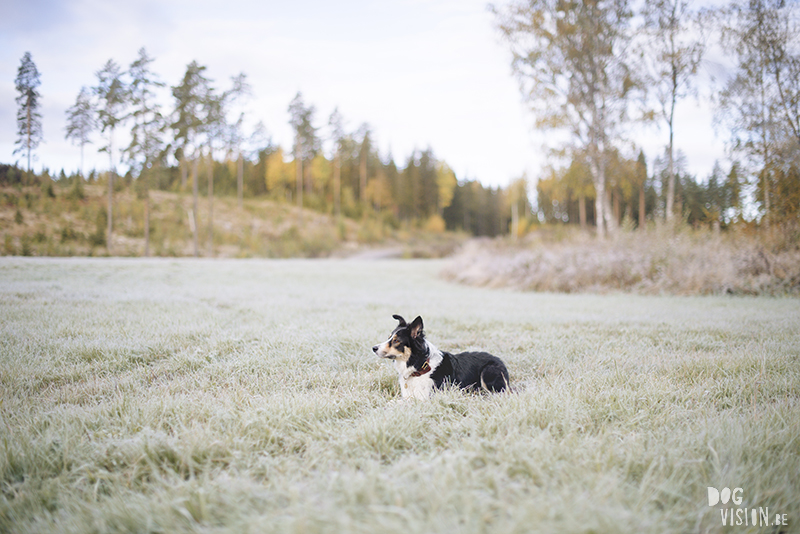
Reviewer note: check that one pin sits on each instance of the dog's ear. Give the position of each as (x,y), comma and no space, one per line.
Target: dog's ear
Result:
(402,321)
(416,327)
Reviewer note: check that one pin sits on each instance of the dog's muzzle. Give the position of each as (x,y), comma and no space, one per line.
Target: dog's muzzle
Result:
(376,349)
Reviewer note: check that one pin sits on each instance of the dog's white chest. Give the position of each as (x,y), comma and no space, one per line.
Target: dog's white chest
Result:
(416,387)
(422,386)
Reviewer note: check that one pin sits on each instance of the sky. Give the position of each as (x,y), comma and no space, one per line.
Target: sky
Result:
(420,73)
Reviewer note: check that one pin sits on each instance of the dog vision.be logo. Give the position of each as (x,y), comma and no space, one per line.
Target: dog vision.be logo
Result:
(738,516)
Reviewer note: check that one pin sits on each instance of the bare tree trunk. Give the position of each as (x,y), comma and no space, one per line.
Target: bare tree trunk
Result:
(307,173)
(29,126)
(362,171)
(184,171)
(514,220)
(147,222)
(641,208)
(598,167)
(767,202)
(210,204)
(337,185)
(599,215)
(670,209)
(110,189)
(670,178)
(582,211)
(767,178)
(194,204)
(767,173)
(110,208)
(599,179)
(240,180)
(299,167)
(602,205)
(611,222)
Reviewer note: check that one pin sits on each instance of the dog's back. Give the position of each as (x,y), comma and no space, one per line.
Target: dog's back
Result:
(476,370)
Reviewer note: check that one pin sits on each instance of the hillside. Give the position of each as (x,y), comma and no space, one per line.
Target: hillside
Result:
(60,221)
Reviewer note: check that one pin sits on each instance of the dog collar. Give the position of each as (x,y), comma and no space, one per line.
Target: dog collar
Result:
(426,368)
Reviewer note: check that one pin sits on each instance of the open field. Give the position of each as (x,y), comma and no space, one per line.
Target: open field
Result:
(242,396)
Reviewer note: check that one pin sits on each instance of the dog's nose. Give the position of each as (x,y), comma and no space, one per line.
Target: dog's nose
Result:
(375,349)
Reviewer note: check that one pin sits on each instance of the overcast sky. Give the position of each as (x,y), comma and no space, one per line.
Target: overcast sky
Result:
(421,73)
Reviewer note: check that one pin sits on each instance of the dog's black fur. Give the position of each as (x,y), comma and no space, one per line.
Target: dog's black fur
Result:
(415,358)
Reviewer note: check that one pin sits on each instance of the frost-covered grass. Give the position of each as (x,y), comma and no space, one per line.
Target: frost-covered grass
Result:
(242,396)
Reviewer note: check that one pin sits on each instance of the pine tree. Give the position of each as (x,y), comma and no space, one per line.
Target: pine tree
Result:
(189,124)
(110,91)
(363,154)
(146,143)
(240,90)
(734,183)
(29,120)
(81,121)
(306,144)
(336,125)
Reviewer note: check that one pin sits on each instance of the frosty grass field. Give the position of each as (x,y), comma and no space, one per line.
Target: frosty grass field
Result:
(242,396)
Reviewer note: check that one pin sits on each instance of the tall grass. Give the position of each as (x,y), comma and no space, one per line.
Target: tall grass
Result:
(242,396)
(659,260)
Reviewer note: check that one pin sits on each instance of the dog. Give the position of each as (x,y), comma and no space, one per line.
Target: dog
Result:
(422,367)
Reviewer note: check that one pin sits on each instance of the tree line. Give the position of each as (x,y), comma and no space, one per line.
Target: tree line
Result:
(595,70)
(566,195)
(202,142)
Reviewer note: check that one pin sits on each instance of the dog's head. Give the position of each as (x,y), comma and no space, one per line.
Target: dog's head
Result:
(405,340)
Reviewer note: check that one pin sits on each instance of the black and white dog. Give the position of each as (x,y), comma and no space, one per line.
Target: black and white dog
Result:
(423,368)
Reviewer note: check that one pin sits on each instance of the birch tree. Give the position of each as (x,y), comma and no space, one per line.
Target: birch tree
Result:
(760,103)
(675,49)
(571,61)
